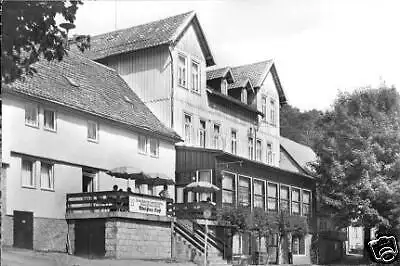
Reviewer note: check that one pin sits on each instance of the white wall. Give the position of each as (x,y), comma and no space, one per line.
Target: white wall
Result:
(117,146)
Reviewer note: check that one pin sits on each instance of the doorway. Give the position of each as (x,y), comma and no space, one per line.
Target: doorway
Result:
(23,229)
(89,180)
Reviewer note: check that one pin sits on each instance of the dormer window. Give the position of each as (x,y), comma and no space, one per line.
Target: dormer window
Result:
(243,96)
(224,87)
(182,71)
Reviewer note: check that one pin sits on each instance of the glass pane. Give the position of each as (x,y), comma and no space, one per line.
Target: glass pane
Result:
(272,190)
(154,147)
(27,173)
(49,119)
(259,201)
(244,182)
(142,143)
(295,207)
(31,114)
(179,195)
(227,181)
(227,196)
(92,130)
(258,188)
(295,245)
(205,176)
(284,205)
(205,196)
(46,174)
(306,209)
(306,197)
(285,193)
(295,195)
(272,204)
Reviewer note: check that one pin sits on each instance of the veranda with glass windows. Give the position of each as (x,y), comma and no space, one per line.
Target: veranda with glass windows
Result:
(246,183)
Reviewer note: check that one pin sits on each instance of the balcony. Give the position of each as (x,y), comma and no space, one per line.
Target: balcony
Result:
(109,203)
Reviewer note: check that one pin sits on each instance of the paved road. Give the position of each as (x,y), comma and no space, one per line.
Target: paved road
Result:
(20,257)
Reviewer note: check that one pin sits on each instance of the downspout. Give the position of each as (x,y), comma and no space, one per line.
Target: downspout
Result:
(172,87)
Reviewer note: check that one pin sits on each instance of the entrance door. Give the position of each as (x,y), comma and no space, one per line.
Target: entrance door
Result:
(90,238)
(23,229)
(89,180)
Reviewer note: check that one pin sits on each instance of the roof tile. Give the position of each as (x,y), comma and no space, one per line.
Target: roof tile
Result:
(85,85)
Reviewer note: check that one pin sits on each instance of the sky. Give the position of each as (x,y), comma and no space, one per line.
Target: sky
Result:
(319,47)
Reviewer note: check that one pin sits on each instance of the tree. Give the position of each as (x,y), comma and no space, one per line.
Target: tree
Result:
(359,159)
(30,31)
(264,224)
(299,126)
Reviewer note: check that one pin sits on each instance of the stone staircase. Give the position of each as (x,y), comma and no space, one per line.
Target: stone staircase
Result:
(189,245)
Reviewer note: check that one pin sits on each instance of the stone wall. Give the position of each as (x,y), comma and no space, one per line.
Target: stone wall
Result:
(128,238)
(48,234)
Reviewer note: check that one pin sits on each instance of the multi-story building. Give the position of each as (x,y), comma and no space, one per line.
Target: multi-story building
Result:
(228,118)
(62,130)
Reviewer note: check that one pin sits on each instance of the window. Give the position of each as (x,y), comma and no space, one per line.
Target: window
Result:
(243,96)
(154,147)
(216,137)
(269,154)
(273,112)
(258,149)
(28,173)
(46,176)
(93,128)
(49,117)
(205,176)
(251,148)
(32,115)
(306,203)
(295,201)
(259,192)
(202,134)
(264,107)
(284,199)
(89,180)
(180,194)
(273,247)
(182,72)
(272,197)
(233,142)
(142,144)
(224,87)
(244,191)
(188,128)
(298,245)
(228,188)
(195,77)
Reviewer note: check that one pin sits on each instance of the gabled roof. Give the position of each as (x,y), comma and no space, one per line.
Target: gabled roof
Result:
(224,72)
(301,154)
(256,73)
(82,84)
(161,32)
(242,84)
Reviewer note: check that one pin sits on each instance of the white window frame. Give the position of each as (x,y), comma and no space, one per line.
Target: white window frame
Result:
(191,135)
(277,196)
(224,86)
(212,180)
(301,238)
(216,137)
(204,131)
(34,174)
(250,149)
(146,141)
(250,187)
(195,62)
(265,190)
(235,185)
(51,188)
(157,148)
(55,119)
(36,107)
(185,75)
(310,204)
(234,140)
(259,150)
(96,140)
(291,200)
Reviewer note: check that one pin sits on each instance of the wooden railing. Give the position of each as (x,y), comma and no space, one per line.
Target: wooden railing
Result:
(105,201)
(194,210)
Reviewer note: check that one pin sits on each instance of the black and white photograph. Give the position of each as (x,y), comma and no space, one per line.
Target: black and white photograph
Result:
(200,132)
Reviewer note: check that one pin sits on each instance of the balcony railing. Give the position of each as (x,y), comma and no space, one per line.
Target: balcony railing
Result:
(111,201)
(194,210)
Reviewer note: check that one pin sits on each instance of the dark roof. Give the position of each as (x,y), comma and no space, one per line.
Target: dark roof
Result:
(220,73)
(156,33)
(84,85)
(255,72)
(301,154)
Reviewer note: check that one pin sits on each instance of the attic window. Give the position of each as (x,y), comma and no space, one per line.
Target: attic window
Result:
(72,81)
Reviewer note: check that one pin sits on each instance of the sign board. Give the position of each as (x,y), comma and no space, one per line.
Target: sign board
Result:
(207,213)
(147,205)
